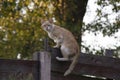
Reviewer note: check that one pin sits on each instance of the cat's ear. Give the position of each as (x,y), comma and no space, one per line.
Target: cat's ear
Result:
(42,21)
(51,20)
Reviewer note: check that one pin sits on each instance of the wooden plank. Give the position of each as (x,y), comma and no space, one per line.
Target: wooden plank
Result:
(59,76)
(17,65)
(45,62)
(100,66)
(37,74)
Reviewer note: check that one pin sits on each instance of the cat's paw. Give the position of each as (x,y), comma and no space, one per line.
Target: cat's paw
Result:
(58,58)
(62,59)
(55,46)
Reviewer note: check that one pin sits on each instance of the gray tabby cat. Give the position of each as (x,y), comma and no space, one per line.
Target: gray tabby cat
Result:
(65,40)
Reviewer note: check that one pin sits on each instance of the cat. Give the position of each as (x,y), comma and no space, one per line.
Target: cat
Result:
(64,40)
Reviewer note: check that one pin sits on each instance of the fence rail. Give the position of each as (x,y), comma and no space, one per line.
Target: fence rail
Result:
(44,66)
(17,65)
(100,66)
(14,69)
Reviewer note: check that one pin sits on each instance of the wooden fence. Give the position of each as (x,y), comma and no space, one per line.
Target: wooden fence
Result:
(35,69)
(19,69)
(44,66)
(100,66)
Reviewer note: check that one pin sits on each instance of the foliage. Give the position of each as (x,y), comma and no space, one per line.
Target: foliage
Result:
(102,22)
(20,30)
(20,23)
(69,14)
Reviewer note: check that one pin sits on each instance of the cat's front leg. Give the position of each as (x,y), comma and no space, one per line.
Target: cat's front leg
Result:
(58,42)
(57,45)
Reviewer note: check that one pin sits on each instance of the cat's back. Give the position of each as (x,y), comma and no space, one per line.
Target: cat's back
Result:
(61,30)
(66,33)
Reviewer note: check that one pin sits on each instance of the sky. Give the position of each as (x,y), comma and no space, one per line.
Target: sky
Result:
(96,42)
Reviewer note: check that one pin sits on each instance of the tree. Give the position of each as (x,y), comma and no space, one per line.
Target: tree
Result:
(69,14)
(20,30)
(20,23)
(104,21)
(107,27)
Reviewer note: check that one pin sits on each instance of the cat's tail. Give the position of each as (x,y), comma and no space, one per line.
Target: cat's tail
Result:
(72,65)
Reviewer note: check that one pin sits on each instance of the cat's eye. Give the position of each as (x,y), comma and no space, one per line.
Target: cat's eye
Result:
(48,25)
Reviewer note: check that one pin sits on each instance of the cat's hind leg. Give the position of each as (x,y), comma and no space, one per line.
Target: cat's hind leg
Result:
(62,59)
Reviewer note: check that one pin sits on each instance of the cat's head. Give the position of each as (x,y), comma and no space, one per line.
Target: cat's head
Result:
(47,25)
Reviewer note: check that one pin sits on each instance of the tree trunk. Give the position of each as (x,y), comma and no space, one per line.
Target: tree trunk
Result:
(70,13)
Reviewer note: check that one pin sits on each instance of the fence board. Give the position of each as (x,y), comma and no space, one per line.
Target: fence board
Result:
(17,65)
(59,76)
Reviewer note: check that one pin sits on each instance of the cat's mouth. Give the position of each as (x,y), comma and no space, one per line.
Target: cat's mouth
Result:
(48,28)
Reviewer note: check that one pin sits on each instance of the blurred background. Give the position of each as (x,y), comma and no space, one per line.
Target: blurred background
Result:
(94,23)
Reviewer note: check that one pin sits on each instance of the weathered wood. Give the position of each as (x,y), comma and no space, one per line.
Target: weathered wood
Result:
(100,66)
(17,65)
(59,76)
(36,57)
(43,69)
(40,67)
(45,62)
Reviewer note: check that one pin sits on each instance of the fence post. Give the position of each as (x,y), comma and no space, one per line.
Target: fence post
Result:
(109,53)
(44,70)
